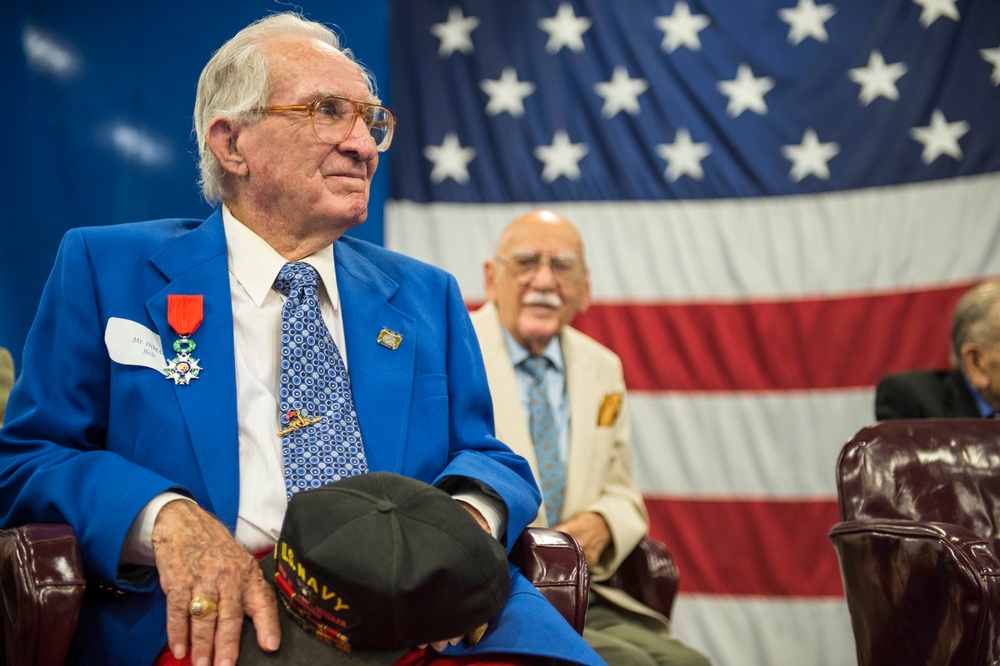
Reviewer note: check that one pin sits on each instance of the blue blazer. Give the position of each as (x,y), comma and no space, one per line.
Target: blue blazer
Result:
(89,441)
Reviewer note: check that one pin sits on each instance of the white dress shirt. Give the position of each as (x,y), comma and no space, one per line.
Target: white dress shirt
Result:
(253,268)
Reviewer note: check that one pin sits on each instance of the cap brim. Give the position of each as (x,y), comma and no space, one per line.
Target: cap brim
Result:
(298,646)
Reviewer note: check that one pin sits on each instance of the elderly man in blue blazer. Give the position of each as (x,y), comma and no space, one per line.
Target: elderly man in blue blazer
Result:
(150,416)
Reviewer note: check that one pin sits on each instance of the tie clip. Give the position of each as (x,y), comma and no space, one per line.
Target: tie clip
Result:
(295,421)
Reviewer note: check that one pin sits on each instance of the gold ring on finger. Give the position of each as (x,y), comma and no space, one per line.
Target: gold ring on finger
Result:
(200,607)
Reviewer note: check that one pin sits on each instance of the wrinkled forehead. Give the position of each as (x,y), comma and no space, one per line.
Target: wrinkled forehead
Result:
(302,68)
(545,238)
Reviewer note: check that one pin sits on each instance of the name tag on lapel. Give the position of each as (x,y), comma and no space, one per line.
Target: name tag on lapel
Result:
(131,343)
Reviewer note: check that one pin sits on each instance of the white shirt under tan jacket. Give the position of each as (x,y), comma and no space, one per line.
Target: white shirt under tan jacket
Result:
(599,465)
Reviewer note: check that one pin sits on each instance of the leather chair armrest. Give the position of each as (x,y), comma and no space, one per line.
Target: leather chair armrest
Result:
(919,592)
(554,562)
(42,586)
(649,575)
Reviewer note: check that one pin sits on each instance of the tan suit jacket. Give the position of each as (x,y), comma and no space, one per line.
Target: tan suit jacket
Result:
(599,467)
(6,379)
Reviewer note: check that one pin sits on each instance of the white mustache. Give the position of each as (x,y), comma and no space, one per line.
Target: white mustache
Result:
(546,298)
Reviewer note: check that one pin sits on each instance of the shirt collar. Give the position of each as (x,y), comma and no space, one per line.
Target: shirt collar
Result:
(553,351)
(255,264)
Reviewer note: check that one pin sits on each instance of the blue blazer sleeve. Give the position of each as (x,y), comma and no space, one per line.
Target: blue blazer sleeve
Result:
(425,407)
(55,465)
(477,454)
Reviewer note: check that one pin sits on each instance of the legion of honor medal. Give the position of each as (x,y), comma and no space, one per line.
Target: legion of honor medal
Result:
(184,314)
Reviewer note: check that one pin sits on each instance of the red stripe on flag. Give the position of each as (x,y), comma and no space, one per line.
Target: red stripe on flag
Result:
(750,547)
(789,345)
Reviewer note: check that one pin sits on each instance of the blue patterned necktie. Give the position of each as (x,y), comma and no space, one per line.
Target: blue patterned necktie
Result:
(546,438)
(320,436)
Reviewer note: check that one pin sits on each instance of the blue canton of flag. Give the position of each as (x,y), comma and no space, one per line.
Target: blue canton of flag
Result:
(541,101)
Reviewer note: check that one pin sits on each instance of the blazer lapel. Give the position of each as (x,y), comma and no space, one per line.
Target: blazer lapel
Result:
(511,421)
(584,395)
(381,378)
(508,413)
(196,263)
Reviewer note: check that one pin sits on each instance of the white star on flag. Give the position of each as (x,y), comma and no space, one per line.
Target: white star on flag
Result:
(992,56)
(561,157)
(455,33)
(506,93)
(681,28)
(940,137)
(810,157)
(746,92)
(877,79)
(683,156)
(565,29)
(621,93)
(450,160)
(935,9)
(807,19)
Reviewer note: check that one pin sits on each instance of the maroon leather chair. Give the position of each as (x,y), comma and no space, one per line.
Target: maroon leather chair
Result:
(42,586)
(920,511)
(554,562)
(650,575)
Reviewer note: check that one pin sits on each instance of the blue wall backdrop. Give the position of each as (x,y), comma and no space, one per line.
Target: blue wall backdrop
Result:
(97,120)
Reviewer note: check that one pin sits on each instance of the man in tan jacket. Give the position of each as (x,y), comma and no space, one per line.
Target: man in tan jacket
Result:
(569,419)
(6,379)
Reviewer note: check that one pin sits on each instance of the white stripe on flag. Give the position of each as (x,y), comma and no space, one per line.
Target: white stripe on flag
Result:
(843,243)
(766,632)
(780,445)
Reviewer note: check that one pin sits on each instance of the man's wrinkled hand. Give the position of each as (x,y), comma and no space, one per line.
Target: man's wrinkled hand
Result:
(197,557)
(591,532)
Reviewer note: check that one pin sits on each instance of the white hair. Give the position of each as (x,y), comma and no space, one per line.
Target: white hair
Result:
(235,84)
(972,322)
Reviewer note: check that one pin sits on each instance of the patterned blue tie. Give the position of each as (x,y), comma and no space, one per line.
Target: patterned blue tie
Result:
(546,438)
(320,436)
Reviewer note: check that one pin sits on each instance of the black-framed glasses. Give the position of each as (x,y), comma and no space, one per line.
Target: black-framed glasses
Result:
(333,119)
(523,266)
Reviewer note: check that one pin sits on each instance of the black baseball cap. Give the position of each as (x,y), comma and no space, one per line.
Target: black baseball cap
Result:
(372,565)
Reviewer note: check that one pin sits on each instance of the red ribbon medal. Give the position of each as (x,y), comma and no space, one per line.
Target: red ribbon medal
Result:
(184,314)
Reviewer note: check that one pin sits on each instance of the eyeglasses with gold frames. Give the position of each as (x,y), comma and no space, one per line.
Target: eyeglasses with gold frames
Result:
(523,266)
(333,119)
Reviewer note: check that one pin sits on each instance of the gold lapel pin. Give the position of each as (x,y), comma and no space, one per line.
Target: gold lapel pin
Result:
(389,339)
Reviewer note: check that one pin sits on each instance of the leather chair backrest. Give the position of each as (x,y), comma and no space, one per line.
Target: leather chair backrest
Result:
(41,587)
(941,470)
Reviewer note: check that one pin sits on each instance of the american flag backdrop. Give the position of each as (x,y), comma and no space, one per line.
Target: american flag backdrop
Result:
(781,202)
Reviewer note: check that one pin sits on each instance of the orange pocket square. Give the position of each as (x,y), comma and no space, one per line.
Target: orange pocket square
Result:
(608,412)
